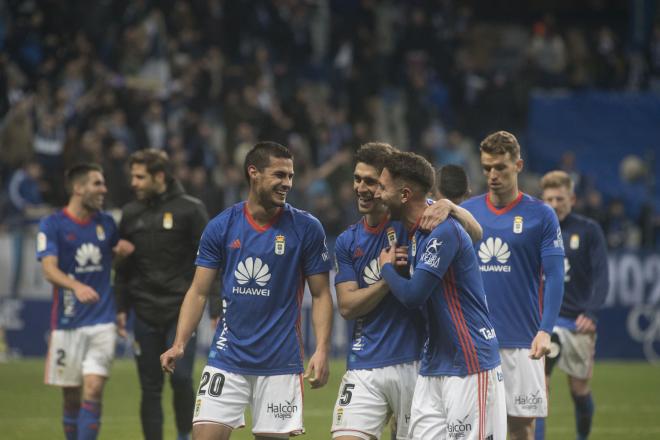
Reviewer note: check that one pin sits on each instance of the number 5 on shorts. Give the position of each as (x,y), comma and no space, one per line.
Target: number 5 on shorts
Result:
(346,394)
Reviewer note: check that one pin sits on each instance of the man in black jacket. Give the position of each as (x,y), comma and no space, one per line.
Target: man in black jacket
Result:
(165,225)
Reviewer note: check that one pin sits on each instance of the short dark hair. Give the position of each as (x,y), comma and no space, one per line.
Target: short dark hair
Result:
(373,154)
(78,173)
(501,142)
(259,156)
(154,160)
(453,182)
(412,168)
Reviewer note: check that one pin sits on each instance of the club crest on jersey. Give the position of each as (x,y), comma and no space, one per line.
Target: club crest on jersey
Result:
(391,236)
(168,220)
(517,224)
(575,241)
(279,245)
(100,232)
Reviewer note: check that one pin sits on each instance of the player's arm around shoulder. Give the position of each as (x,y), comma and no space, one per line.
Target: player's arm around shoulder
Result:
(189,315)
(318,369)
(441,209)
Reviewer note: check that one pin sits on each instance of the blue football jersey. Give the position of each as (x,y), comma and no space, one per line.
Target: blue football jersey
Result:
(390,333)
(263,279)
(84,252)
(515,238)
(461,338)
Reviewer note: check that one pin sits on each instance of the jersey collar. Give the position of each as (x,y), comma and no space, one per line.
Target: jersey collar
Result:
(75,219)
(505,209)
(375,229)
(258,227)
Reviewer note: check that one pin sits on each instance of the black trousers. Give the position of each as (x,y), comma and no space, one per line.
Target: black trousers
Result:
(152,342)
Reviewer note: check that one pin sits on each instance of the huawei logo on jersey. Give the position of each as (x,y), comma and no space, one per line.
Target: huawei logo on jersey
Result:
(252,270)
(497,249)
(88,257)
(371,272)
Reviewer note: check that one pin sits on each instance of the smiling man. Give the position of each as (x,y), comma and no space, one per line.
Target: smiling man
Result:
(75,246)
(522,264)
(265,250)
(459,389)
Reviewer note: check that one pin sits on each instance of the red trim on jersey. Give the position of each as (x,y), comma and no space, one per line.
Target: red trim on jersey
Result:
(75,219)
(53,309)
(505,209)
(541,293)
(255,225)
(375,229)
(458,318)
(414,229)
(46,370)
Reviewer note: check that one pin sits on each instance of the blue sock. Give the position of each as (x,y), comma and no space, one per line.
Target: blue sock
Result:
(89,421)
(184,436)
(584,412)
(70,423)
(539,434)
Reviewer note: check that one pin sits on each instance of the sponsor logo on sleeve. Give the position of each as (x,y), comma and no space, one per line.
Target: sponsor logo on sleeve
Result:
(41,242)
(430,256)
(558,242)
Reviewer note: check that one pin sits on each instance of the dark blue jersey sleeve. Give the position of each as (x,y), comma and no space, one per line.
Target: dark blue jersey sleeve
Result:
(315,253)
(343,263)
(553,268)
(414,292)
(210,251)
(600,282)
(47,241)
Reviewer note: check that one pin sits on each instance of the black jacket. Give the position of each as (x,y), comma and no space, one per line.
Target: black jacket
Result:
(165,231)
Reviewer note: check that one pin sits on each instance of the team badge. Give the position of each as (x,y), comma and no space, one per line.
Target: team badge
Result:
(41,242)
(279,245)
(413,246)
(340,414)
(198,403)
(391,236)
(100,232)
(575,241)
(517,224)
(168,220)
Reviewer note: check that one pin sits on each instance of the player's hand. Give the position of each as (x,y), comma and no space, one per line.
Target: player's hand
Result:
(540,345)
(435,214)
(123,248)
(318,370)
(121,324)
(584,324)
(169,358)
(85,294)
(401,263)
(387,255)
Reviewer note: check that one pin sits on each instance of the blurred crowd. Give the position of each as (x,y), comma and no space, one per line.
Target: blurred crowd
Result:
(205,79)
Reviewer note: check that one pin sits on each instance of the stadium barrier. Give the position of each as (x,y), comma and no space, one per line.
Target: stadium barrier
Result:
(628,327)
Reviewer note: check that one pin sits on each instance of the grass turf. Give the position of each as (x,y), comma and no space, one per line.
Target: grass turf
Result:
(627,397)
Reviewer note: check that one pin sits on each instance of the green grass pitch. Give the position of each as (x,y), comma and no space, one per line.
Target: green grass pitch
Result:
(627,399)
